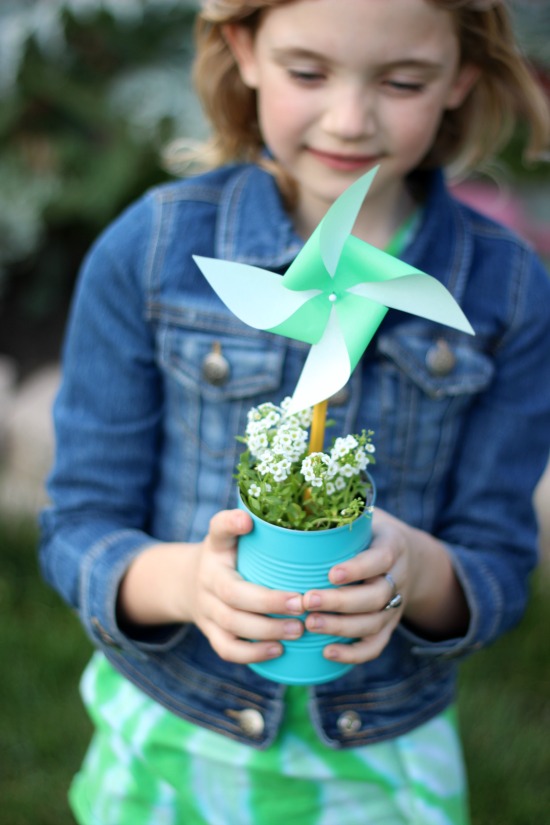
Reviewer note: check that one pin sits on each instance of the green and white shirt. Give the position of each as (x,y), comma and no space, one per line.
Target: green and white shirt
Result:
(146,766)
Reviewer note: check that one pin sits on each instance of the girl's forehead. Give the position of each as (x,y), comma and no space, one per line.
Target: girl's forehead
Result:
(377,30)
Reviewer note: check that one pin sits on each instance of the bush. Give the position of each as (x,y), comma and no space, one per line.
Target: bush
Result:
(89,91)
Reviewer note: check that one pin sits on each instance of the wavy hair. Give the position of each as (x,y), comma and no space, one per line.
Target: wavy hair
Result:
(505,94)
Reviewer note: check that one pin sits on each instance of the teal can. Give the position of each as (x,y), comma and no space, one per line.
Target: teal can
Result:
(299,561)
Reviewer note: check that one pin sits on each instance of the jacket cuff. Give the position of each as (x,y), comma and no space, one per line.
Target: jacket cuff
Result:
(103,570)
(485,604)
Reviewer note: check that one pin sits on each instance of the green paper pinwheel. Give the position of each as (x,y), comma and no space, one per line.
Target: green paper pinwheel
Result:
(333,296)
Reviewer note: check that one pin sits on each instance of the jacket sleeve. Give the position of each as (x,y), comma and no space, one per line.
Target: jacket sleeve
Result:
(489,523)
(107,420)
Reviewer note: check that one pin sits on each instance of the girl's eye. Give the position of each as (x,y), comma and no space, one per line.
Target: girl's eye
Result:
(404,86)
(306,75)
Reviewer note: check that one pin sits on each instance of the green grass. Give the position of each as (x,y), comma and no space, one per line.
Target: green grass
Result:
(504,705)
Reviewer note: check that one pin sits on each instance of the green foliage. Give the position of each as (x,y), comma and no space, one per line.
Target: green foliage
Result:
(43,650)
(89,95)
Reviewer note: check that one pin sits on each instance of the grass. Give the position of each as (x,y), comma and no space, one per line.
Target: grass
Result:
(504,705)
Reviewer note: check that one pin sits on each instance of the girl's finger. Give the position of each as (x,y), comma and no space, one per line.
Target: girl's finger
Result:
(368,597)
(364,650)
(254,626)
(233,590)
(240,651)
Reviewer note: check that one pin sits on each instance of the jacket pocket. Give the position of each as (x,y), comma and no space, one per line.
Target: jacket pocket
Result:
(214,376)
(422,395)
(214,370)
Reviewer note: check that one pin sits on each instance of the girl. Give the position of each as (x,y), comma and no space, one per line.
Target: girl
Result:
(304,96)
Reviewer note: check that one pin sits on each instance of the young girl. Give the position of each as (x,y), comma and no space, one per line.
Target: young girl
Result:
(304,97)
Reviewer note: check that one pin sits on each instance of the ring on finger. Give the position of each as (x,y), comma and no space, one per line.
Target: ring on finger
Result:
(389,578)
(395,601)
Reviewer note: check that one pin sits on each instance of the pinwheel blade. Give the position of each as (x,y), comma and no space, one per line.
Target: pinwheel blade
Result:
(256,296)
(336,226)
(419,294)
(326,370)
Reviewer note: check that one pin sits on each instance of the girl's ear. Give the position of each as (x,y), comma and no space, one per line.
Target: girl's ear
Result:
(465,80)
(240,40)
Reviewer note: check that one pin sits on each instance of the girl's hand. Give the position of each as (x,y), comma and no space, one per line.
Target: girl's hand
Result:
(199,583)
(420,567)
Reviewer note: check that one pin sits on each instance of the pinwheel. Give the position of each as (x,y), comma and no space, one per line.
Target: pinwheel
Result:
(333,296)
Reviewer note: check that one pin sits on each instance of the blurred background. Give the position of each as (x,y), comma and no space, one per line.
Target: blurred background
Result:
(92,92)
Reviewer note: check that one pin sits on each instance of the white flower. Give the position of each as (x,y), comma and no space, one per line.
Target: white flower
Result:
(301,419)
(330,488)
(275,465)
(266,464)
(290,441)
(348,470)
(254,490)
(262,418)
(281,469)
(339,483)
(342,446)
(258,443)
(314,468)
(370,448)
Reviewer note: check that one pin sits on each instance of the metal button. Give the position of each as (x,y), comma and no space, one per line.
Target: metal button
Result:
(440,359)
(339,398)
(250,721)
(348,722)
(215,367)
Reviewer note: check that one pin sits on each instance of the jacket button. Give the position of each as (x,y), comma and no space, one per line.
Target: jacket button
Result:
(251,722)
(215,367)
(440,358)
(348,722)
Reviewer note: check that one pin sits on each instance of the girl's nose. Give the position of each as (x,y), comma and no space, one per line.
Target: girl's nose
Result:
(349,114)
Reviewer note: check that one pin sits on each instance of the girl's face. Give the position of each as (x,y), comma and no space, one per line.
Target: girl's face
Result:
(343,85)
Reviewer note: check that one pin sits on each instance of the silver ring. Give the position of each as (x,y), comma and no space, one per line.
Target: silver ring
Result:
(392,584)
(395,601)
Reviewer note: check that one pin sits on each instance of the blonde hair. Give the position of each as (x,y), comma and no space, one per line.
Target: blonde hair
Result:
(505,94)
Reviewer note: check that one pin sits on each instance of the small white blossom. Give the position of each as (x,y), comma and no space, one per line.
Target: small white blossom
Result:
(254,490)
(281,469)
(314,468)
(290,441)
(330,488)
(370,448)
(265,466)
(263,417)
(258,443)
(342,446)
(339,483)
(302,418)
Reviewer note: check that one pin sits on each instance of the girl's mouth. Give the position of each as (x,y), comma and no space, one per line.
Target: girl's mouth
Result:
(344,162)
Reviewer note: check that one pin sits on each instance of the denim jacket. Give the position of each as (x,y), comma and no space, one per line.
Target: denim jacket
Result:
(146,439)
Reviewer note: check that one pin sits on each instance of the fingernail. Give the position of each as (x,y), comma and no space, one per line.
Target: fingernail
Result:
(292,629)
(314,601)
(331,653)
(274,651)
(338,575)
(294,604)
(315,622)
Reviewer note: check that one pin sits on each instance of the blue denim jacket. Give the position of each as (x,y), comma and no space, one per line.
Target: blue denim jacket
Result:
(146,439)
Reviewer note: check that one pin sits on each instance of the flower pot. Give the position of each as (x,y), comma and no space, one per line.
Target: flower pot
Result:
(300,561)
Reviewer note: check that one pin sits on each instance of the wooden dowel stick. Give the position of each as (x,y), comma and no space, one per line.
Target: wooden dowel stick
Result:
(318,424)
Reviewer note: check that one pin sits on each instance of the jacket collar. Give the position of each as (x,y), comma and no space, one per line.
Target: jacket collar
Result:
(253,226)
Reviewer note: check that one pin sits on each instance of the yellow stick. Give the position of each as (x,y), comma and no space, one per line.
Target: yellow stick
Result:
(318,424)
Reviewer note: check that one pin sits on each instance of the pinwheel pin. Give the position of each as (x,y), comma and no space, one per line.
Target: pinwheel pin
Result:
(333,296)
